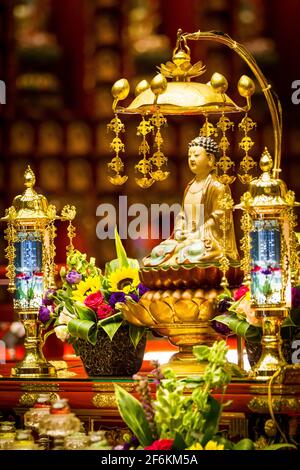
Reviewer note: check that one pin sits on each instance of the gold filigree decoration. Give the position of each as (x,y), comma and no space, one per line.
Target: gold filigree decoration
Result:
(68,213)
(246,224)
(158,159)
(226,205)
(52,253)
(144,165)
(109,387)
(117,146)
(285,255)
(39,387)
(247,164)
(279,404)
(29,399)
(293,246)
(208,129)
(10,251)
(104,400)
(225,163)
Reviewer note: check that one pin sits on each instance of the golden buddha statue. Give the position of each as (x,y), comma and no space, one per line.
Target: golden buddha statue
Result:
(197,237)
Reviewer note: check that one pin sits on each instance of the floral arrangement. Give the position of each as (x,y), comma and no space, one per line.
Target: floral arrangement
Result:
(238,317)
(175,420)
(89,300)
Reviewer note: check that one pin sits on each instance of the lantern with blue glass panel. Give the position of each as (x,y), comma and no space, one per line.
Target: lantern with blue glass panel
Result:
(270,259)
(30,252)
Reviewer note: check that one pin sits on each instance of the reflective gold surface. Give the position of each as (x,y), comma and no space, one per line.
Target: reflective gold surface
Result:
(183,98)
(189,276)
(183,316)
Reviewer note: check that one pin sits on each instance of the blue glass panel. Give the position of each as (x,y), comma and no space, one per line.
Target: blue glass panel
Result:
(266,272)
(29,276)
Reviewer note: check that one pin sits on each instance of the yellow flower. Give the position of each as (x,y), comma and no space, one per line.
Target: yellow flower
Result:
(124,280)
(196,446)
(87,287)
(212,445)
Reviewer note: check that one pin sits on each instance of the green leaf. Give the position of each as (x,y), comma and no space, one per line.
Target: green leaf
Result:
(69,306)
(19,295)
(111,328)
(121,253)
(83,329)
(179,443)
(115,264)
(201,352)
(111,319)
(136,333)
(241,327)
(134,416)
(244,444)
(30,293)
(279,446)
(295,316)
(212,419)
(122,261)
(84,312)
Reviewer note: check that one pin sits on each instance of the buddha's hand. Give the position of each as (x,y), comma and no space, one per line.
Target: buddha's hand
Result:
(180,235)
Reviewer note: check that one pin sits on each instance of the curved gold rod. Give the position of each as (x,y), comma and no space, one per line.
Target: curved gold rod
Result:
(276,112)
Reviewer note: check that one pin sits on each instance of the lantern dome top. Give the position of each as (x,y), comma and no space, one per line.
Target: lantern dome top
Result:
(29,206)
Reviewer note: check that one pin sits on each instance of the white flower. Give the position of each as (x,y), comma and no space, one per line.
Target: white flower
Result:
(65,316)
(61,332)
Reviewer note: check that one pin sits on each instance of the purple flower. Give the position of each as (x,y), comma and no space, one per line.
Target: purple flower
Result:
(266,271)
(73,277)
(134,297)
(142,289)
(221,328)
(48,297)
(44,314)
(116,297)
(295,297)
(224,305)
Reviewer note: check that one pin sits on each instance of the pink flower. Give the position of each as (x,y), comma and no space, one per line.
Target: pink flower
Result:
(161,444)
(94,301)
(104,311)
(240,292)
(255,269)
(244,309)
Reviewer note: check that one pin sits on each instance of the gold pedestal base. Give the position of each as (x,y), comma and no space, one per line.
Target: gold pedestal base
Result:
(185,364)
(271,359)
(33,370)
(34,364)
(186,336)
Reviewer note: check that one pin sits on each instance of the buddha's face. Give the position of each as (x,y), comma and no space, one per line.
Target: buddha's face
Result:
(200,162)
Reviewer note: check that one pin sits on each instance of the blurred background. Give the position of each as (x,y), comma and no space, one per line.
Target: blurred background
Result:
(59,60)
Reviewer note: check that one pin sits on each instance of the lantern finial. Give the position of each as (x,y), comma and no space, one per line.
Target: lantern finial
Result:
(29,177)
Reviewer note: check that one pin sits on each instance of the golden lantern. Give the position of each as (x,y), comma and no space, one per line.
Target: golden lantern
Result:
(30,252)
(270,263)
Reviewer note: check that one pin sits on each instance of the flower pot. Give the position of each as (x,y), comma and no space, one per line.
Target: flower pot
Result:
(112,358)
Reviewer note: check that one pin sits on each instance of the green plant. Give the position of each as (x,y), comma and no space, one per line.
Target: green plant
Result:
(184,414)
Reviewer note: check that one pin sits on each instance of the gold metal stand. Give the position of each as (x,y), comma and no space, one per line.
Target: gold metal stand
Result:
(271,358)
(34,363)
(186,336)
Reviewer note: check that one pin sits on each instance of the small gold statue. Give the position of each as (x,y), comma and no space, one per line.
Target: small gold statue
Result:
(198,236)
